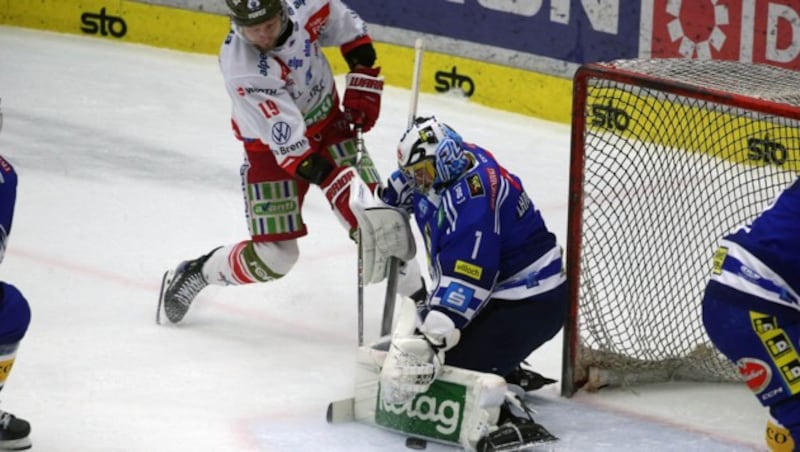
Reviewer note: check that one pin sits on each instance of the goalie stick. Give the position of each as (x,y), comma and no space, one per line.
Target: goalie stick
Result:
(344,410)
(360,151)
(391,283)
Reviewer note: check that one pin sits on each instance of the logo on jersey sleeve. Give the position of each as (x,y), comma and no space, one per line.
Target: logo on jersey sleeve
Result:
(476,186)
(523,204)
(719,259)
(317,21)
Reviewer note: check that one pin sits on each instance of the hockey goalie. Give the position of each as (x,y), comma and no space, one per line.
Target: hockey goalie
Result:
(450,371)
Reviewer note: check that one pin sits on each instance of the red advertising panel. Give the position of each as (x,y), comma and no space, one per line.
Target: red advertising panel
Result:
(706,29)
(776,33)
(760,31)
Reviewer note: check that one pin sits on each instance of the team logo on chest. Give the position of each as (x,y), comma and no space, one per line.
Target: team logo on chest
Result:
(281,132)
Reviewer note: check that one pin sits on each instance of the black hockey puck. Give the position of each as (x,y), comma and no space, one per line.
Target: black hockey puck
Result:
(416,443)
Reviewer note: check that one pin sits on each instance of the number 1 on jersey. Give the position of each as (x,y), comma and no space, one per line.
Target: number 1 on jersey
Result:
(478,235)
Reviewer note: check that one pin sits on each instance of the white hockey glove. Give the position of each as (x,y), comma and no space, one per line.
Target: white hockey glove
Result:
(415,358)
(385,233)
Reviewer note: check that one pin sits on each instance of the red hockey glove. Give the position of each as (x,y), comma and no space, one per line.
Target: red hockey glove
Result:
(362,97)
(336,188)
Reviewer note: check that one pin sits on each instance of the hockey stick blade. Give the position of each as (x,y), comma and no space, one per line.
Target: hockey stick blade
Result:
(161,297)
(341,411)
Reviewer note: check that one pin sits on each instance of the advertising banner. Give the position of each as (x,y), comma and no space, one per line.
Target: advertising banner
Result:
(573,31)
(757,31)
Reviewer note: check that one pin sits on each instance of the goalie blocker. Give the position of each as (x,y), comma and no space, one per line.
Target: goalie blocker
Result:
(385,233)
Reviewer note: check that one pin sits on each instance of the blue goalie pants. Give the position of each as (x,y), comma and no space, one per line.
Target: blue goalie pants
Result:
(763,345)
(507,331)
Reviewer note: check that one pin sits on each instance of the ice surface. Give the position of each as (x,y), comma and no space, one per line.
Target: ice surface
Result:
(127,165)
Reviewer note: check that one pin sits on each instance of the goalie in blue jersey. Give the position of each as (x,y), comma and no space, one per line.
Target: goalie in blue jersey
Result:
(498,288)
(15,313)
(751,311)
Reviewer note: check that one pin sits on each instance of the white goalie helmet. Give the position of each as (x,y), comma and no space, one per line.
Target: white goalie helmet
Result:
(431,154)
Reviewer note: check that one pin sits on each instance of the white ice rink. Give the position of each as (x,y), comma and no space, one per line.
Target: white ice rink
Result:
(127,165)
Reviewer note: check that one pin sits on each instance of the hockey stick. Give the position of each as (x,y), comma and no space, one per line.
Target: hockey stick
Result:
(360,151)
(391,282)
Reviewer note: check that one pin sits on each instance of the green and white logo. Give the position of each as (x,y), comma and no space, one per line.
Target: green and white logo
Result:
(274,207)
(437,413)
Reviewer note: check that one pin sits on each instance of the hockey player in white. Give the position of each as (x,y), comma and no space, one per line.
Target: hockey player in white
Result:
(15,313)
(499,291)
(286,111)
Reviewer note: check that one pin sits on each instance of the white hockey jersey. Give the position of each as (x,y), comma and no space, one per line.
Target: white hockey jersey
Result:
(277,96)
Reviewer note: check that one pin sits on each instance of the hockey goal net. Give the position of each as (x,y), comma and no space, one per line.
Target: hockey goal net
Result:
(667,156)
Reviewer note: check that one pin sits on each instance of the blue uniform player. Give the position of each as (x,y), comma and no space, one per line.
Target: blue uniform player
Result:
(751,311)
(498,290)
(15,314)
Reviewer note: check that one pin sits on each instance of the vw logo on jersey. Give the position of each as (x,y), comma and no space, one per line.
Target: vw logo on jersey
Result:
(281,132)
(253,5)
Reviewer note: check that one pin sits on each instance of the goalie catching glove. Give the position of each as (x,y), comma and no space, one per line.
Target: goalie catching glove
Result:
(416,356)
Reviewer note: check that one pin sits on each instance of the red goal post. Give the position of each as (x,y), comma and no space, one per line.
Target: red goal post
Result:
(666,157)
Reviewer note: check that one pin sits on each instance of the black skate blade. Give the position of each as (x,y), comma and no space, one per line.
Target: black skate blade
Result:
(16,444)
(518,437)
(160,306)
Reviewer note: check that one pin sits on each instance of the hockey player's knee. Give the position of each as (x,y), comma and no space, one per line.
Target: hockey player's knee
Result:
(778,437)
(15,314)
(250,262)
(280,257)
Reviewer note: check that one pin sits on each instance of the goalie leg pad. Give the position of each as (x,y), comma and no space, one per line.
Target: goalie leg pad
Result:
(459,408)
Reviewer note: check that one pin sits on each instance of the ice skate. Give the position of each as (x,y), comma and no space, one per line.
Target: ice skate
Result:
(527,379)
(14,432)
(516,430)
(179,287)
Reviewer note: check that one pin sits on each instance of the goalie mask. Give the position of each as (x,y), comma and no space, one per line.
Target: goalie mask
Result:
(431,154)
